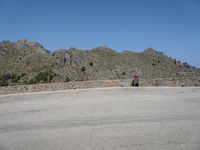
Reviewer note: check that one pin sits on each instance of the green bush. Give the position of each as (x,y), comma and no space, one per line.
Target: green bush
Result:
(14,78)
(67,79)
(7,78)
(175,61)
(32,81)
(42,76)
(186,65)
(3,82)
(45,77)
(25,82)
(83,69)
(51,77)
(23,74)
(91,64)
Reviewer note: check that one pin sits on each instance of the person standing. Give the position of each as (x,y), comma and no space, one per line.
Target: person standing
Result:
(135,81)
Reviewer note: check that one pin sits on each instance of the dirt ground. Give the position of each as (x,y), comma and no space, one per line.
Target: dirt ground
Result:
(144,118)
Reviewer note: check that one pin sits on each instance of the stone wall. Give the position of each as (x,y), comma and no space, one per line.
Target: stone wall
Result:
(99,83)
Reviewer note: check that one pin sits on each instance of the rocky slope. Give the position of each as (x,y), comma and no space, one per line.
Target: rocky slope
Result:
(27,62)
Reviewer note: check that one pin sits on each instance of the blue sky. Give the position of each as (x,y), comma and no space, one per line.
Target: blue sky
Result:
(171,26)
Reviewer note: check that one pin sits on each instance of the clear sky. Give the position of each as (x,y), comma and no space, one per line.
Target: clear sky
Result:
(171,26)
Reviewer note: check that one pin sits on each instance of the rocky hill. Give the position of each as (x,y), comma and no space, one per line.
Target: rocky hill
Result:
(27,62)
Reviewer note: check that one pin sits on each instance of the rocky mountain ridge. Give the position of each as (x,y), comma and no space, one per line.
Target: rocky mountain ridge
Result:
(28,62)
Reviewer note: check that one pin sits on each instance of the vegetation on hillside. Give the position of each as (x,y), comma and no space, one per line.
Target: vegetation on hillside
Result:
(27,62)
(8,78)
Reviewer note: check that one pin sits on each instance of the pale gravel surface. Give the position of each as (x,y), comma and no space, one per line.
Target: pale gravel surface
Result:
(160,118)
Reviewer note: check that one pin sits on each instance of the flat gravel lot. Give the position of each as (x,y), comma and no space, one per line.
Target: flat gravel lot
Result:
(143,118)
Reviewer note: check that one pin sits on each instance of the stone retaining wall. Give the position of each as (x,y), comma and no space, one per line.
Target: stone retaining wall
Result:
(99,83)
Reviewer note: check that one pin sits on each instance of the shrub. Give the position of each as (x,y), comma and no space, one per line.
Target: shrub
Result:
(32,81)
(41,76)
(3,82)
(14,78)
(186,65)
(45,77)
(25,82)
(83,69)
(6,76)
(91,64)
(175,61)
(23,74)
(67,79)
(51,75)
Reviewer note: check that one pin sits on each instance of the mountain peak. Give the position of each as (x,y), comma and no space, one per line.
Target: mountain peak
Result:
(31,45)
(150,50)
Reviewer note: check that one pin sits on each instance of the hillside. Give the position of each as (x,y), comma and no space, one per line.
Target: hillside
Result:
(27,62)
